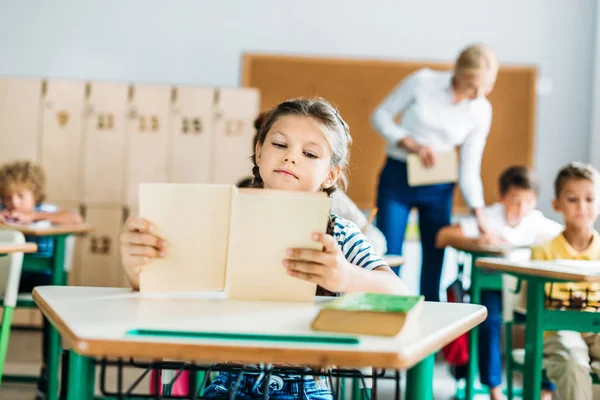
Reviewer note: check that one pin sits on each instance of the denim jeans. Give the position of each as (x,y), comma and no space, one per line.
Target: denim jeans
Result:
(434,202)
(252,385)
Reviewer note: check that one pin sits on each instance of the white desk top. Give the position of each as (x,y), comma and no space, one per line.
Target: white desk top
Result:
(94,322)
(564,270)
(467,245)
(37,229)
(18,248)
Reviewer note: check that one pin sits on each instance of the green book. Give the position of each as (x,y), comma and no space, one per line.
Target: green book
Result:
(368,314)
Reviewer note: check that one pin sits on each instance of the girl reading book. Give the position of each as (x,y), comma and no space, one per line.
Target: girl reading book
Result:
(303,145)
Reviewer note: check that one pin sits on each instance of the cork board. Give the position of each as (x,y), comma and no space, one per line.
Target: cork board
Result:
(357,86)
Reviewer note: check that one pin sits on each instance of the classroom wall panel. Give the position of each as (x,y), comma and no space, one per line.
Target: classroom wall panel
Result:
(234,133)
(62,126)
(104,143)
(147,128)
(100,258)
(190,155)
(19,118)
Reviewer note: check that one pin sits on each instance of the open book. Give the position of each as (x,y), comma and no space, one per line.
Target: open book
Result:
(224,238)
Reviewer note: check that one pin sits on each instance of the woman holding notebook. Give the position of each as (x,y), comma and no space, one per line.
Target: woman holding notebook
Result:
(441,110)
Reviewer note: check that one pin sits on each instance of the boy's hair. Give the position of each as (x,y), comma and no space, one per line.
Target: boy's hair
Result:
(327,115)
(23,173)
(576,171)
(517,176)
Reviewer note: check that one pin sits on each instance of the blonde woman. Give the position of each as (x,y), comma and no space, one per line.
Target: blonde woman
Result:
(441,110)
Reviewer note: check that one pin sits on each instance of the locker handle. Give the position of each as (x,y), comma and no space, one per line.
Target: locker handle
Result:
(125,214)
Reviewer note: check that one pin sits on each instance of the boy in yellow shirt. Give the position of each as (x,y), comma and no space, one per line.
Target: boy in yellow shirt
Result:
(567,353)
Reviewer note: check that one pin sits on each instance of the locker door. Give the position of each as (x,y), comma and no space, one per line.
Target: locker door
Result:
(62,124)
(147,137)
(100,259)
(130,212)
(20,101)
(191,135)
(104,143)
(234,132)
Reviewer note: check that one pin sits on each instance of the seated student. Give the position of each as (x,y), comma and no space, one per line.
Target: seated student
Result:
(513,220)
(22,194)
(303,145)
(567,354)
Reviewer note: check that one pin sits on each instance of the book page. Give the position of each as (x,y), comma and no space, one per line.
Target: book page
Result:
(264,224)
(445,169)
(194,219)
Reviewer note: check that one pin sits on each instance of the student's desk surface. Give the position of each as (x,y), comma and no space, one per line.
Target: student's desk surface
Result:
(469,246)
(393,260)
(17,248)
(77,229)
(543,269)
(94,322)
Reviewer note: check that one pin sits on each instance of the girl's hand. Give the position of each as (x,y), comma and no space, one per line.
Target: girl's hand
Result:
(327,268)
(139,245)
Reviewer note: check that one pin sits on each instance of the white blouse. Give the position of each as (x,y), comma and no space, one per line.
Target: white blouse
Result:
(431,118)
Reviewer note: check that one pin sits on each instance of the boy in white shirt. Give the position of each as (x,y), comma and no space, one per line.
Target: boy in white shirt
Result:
(513,220)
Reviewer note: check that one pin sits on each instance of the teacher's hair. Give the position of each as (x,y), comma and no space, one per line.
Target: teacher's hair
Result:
(474,59)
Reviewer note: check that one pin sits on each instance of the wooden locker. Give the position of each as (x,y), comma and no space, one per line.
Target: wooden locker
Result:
(147,129)
(100,258)
(104,143)
(62,124)
(234,133)
(22,317)
(129,212)
(20,101)
(191,135)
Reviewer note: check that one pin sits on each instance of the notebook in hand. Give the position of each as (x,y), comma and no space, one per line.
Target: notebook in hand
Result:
(444,170)
(264,224)
(368,314)
(194,220)
(224,238)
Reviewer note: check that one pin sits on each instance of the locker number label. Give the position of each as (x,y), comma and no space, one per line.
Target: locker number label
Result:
(100,245)
(191,126)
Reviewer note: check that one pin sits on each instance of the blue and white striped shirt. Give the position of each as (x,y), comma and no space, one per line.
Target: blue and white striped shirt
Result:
(355,246)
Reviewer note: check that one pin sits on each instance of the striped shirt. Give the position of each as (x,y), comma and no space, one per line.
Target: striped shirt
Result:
(355,246)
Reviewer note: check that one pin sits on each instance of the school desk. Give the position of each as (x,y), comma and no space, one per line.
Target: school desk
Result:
(106,322)
(479,282)
(56,264)
(540,319)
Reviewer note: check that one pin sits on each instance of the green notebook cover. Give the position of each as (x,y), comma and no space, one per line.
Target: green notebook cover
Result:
(374,302)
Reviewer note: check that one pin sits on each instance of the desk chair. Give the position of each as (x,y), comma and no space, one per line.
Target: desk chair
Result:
(10,275)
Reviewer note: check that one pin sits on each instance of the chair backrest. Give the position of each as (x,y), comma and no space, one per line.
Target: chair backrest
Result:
(69,252)
(512,301)
(10,267)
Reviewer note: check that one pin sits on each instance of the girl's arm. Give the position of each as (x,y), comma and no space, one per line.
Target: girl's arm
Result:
(59,218)
(330,269)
